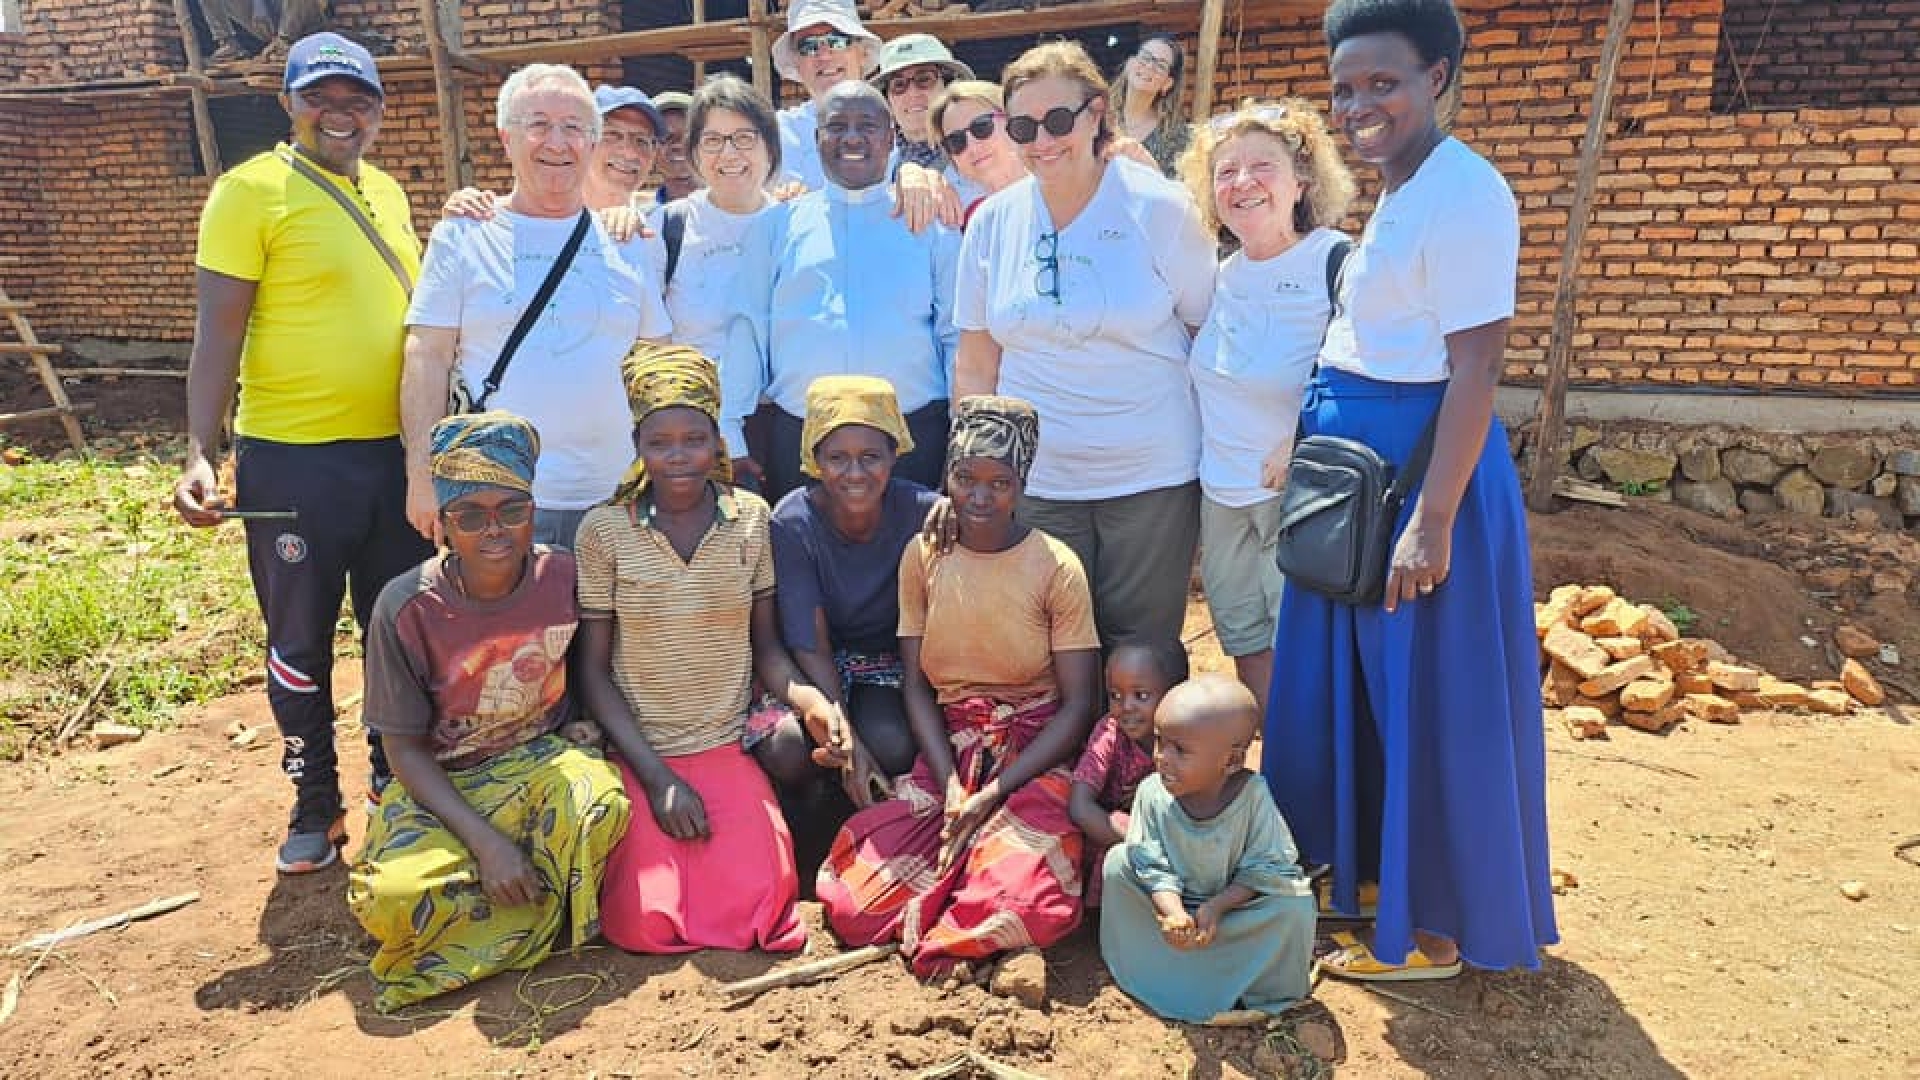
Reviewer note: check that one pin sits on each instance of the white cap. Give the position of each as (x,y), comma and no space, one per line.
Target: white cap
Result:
(838,14)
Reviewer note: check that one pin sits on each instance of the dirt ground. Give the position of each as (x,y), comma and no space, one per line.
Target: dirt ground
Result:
(1707,933)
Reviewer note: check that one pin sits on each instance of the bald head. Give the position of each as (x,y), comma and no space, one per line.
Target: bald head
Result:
(846,92)
(1212,703)
(855,136)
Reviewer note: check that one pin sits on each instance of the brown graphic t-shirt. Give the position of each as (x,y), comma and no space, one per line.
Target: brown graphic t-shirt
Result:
(478,677)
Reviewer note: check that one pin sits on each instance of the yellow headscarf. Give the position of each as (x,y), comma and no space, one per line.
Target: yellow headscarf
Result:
(834,401)
(661,377)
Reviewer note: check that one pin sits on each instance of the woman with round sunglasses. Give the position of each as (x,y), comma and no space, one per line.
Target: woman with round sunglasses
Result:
(1078,289)
(1270,176)
(1406,739)
(723,265)
(1148,90)
(970,118)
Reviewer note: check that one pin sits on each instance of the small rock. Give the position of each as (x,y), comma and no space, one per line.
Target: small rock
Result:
(1733,677)
(1831,702)
(1584,722)
(107,734)
(910,1024)
(1853,890)
(1562,881)
(1658,628)
(1854,642)
(1860,683)
(1616,676)
(994,1035)
(1862,511)
(1758,502)
(1780,694)
(1640,468)
(1890,654)
(244,738)
(1621,648)
(1592,598)
(1716,497)
(1032,1032)
(1743,466)
(1646,695)
(1699,463)
(1318,1039)
(1022,977)
(1889,581)
(1712,708)
(1906,495)
(1576,650)
(1799,493)
(1884,485)
(1582,437)
(1680,657)
(1904,462)
(1844,465)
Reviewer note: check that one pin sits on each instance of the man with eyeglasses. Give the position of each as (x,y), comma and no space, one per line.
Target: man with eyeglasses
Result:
(306,253)
(675,171)
(856,293)
(632,131)
(480,278)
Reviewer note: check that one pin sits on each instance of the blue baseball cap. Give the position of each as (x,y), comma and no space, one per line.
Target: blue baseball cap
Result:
(324,55)
(609,98)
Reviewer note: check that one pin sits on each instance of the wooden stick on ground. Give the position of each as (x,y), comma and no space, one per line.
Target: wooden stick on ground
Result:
(801,974)
(86,704)
(77,930)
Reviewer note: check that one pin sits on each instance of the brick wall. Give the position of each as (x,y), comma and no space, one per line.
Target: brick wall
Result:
(73,40)
(1766,249)
(1826,53)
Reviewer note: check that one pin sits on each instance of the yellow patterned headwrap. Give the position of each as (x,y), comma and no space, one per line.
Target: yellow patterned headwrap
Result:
(475,450)
(834,401)
(661,377)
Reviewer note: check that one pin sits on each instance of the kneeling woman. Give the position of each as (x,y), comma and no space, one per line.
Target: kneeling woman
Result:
(487,852)
(978,854)
(677,616)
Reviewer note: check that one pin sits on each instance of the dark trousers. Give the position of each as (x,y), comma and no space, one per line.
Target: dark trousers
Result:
(926,465)
(351,538)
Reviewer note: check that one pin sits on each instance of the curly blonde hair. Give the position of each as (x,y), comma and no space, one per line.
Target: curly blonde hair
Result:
(1316,159)
(1067,60)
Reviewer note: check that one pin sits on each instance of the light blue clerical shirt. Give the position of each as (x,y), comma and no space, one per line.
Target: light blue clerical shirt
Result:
(855,293)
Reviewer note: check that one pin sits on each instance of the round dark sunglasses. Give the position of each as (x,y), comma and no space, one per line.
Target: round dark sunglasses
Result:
(981,129)
(1058,121)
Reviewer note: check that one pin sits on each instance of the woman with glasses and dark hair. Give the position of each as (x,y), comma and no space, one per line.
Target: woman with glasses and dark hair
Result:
(1270,174)
(712,251)
(1078,289)
(488,849)
(1405,743)
(1148,90)
(970,120)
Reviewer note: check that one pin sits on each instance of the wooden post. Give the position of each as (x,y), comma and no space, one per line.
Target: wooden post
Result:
(1549,437)
(1208,63)
(202,118)
(447,99)
(699,66)
(765,79)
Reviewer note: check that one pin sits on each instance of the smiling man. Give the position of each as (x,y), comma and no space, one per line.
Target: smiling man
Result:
(825,44)
(856,293)
(632,132)
(481,277)
(301,306)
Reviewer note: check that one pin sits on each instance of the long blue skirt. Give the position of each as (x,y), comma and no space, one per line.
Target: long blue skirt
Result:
(1409,748)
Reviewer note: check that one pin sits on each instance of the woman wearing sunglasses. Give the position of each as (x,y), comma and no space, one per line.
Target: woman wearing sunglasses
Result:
(1410,749)
(970,119)
(1271,176)
(1148,90)
(1078,286)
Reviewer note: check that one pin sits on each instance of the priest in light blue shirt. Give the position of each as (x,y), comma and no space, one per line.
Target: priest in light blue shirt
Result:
(855,293)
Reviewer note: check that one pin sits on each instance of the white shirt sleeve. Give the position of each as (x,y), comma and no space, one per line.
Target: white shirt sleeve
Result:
(437,297)
(970,276)
(1471,254)
(1185,257)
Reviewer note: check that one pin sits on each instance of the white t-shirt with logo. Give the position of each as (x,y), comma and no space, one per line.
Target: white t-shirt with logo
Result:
(1252,360)
(1438,256)
(1105,362)
(478,276)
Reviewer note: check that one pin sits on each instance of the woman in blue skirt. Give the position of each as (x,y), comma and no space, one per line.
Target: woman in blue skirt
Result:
(1404,741)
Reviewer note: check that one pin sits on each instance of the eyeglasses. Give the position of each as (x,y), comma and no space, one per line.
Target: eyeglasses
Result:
(510,515)
(1058,121)
(981,129)
(540,128)
(924,79)
(835,42)
(1264,114)
(645,144)
(1164,67)
(743,140)
(1046,252)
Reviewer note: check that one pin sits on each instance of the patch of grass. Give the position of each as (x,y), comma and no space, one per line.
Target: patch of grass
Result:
(101,574)
(1684,618)
(1641,487)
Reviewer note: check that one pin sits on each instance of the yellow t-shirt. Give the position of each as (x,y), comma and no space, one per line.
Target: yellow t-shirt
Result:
(322,356)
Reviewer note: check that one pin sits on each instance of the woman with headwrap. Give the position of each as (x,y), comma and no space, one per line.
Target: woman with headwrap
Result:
(487,850)
(977,854)
(677,617)
(836,553)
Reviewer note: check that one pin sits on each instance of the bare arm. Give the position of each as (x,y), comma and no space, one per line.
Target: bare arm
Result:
(430,354)
(777,671)
(1083,806)
(923,713)
(675,805)
(1424,552)
(224,305)
(976,369)
(506,874)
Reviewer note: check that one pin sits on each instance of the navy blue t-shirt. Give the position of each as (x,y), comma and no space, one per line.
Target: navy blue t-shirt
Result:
(857,586)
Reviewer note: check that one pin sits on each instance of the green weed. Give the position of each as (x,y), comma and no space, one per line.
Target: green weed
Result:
(1684,618)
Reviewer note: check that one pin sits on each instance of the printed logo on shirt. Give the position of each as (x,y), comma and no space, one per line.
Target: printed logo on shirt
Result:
(1112,234)
(290,547)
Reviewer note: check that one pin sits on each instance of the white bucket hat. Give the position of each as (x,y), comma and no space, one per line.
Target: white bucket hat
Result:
(838,14)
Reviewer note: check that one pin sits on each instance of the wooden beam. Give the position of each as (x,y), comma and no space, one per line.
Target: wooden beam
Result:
(64,412)
(446,96)
(662,41)
(760,50)
(1549,432)
(699,65)
(202,118)
(1207,65)
(120,372)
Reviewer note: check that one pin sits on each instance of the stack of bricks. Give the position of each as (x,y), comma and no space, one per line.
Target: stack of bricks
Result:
(1610,661)
(64,41)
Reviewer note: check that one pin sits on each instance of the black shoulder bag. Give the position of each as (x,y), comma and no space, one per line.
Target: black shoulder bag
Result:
(1341,505)
(459,398)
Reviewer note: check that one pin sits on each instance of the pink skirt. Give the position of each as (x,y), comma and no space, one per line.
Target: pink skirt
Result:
(737,889)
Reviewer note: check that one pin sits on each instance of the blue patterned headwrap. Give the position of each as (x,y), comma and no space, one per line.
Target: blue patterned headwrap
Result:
(476,450)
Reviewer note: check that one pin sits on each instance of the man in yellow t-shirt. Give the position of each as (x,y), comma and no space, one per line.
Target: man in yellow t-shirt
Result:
(302,312)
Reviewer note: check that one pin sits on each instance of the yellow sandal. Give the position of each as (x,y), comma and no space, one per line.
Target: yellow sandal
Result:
(1355,961)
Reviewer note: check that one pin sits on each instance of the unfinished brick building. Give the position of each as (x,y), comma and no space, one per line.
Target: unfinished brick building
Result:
(1757,221)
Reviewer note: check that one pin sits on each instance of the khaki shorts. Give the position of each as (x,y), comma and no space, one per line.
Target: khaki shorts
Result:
(1237,545)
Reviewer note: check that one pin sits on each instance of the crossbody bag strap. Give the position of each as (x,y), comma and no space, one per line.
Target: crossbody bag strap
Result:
(532,313)
(298,164)
(673,231)
(1415,467)
(1336,271)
